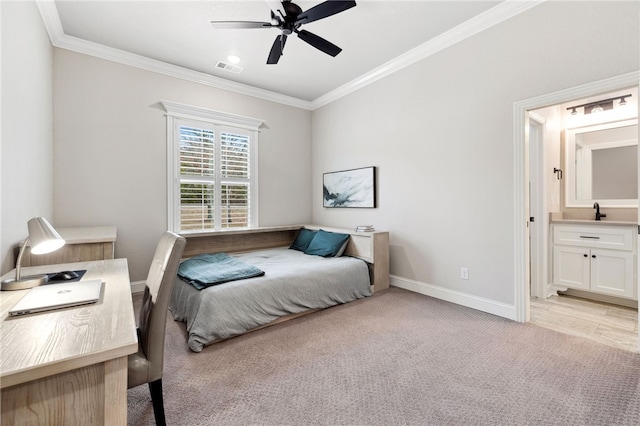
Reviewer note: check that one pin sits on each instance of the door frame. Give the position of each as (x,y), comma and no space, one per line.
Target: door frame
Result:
(521,174)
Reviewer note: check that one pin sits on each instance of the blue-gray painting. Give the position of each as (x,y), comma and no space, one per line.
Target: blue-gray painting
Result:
(349,188)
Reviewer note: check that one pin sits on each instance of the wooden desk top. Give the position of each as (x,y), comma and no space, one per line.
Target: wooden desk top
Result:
(40,345)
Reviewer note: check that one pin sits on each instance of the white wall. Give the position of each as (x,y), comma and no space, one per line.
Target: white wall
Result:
(26,175)
(110,151)
(441,134)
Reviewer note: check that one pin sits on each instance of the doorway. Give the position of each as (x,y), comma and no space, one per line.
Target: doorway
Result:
(524,268)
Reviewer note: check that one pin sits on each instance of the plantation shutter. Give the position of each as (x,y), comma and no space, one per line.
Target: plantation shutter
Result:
(197,178)
(234,178)
(214,178)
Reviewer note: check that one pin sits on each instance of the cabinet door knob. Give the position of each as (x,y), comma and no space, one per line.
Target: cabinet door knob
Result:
(585,255)
(593,255)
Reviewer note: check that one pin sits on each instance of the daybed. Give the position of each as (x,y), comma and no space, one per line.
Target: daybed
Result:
(293,284)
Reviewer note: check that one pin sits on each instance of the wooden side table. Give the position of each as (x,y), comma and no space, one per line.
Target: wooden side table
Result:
(82,245)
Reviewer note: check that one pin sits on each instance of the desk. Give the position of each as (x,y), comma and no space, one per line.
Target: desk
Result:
(69,366)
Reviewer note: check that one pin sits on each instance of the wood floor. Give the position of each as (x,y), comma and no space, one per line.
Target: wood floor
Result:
(611,325)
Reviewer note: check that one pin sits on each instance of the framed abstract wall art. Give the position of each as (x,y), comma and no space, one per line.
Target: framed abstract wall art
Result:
(350,188)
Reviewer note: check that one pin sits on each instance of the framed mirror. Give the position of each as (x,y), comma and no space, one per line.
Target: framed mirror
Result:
(602,165)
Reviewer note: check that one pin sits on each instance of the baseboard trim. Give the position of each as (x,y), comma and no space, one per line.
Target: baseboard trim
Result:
(138,286)
(464,299)
(459,298)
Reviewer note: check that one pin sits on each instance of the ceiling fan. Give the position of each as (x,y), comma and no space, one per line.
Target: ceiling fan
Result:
(288,17)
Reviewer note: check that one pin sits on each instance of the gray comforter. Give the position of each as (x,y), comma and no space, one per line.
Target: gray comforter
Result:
(293,282)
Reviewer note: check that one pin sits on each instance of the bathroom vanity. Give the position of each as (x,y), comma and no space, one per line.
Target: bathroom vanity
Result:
(598,256)
(595,256)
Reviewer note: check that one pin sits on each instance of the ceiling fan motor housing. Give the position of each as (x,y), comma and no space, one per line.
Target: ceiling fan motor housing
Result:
(291,9)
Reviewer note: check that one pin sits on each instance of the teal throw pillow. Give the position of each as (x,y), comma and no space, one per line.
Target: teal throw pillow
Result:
(327,244)
(303,239)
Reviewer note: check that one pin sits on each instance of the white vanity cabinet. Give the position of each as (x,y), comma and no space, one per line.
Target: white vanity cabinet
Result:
(597,258)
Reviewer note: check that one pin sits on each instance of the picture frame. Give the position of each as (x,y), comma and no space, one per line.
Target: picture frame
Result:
(354,188)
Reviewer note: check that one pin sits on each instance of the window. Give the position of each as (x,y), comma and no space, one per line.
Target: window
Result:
(212,169)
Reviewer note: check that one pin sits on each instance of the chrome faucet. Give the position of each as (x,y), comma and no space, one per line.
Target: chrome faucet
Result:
(598,214)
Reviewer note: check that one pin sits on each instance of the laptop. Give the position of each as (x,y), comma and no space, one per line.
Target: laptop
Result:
(56,296)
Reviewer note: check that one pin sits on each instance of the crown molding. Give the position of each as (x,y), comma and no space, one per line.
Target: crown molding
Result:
(487,19)
(59,39)
(491,17)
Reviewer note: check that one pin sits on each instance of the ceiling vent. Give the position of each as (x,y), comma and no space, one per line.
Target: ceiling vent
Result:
(228,67)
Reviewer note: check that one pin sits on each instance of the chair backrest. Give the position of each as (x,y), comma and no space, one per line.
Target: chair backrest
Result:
(153,313)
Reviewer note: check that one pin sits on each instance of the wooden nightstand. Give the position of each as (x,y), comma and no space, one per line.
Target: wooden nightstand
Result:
(82,244)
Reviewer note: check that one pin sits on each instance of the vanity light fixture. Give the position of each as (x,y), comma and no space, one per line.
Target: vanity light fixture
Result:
(599,106)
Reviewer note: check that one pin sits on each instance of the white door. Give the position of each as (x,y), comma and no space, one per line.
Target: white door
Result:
(539,222)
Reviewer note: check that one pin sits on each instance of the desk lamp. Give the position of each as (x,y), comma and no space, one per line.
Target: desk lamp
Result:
(43,239)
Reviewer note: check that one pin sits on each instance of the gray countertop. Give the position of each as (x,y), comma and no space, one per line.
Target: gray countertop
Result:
(603,222)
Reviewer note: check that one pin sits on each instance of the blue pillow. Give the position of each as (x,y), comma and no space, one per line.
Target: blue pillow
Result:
(327,244)
(303,239)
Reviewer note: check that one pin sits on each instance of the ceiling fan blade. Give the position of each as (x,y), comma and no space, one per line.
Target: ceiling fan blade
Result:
(319,43)
(323,10)
(233,25)
(277,49)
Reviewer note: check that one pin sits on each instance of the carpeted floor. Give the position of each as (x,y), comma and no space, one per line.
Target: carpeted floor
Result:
(396,358)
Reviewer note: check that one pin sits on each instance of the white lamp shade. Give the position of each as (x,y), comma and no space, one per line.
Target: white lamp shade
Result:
(42,237)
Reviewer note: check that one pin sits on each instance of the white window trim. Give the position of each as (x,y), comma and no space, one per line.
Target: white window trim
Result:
(175,112)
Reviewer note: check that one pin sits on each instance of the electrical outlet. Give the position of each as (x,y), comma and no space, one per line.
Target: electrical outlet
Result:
(464,273)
